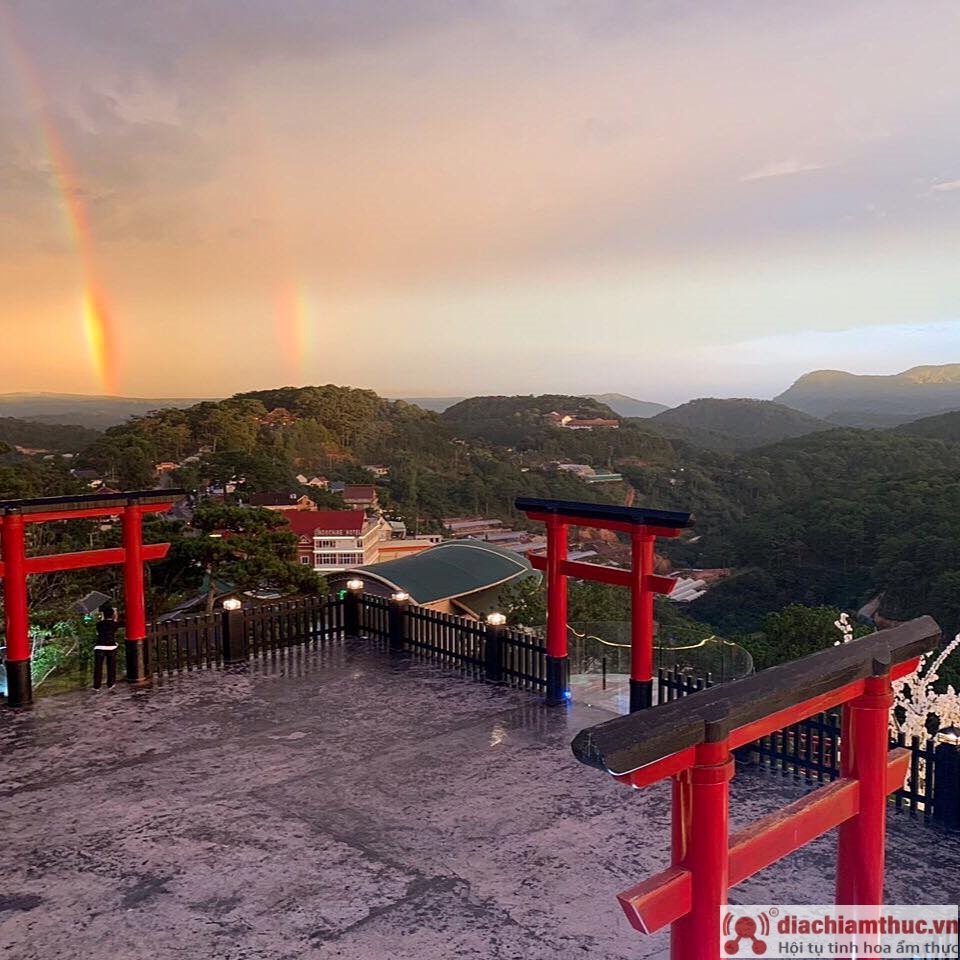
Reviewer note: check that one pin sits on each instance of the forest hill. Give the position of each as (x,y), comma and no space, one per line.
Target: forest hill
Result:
(831,518)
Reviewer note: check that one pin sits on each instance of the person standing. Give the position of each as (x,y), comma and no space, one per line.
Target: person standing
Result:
(105,649)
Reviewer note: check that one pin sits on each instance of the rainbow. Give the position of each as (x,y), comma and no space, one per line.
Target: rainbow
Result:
(294,329)
(96,313)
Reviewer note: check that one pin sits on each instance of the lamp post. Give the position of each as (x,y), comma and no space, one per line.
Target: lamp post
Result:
(397,620)
(946,803)
(233,637)
(949,734)
(351,607)
(493,647)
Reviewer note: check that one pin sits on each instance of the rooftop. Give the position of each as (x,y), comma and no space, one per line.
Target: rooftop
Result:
(305,523)
(332,803)
(451,569)
(276,498)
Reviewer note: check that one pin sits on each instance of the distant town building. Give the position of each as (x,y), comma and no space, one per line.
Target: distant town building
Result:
(378,470)
(330,540)
(571,421)
(393,548)
(464,577)
(278,417)
(362,496)
(687,589)
(280,501)
(493,531)
(578,469)
(604,478)
(470,526)
(588,474)
(321,483)
(91,478)
(576,424)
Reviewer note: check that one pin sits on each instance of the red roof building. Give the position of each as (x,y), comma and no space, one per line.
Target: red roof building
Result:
(360,495)
(280,501)
(332,522)
(331,540)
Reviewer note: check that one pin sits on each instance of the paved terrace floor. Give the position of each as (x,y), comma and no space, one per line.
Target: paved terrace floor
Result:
(328,804)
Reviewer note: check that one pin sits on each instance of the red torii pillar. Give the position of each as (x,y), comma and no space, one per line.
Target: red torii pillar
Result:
(692,740)
(16,566)
(643,527)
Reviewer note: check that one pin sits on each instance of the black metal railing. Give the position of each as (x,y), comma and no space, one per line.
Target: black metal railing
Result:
(375,617)
(512,656)
(190,643)
(673,684)
(806,751)
(524,660)
(810,750)
(274,626)
(187,643)
(446,639)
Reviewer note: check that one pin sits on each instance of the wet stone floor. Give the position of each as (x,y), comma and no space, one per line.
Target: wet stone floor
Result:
(333,803)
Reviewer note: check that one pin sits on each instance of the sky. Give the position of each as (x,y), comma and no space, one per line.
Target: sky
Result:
(459,197)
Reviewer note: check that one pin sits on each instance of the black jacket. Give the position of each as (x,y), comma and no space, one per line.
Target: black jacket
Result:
(107,633)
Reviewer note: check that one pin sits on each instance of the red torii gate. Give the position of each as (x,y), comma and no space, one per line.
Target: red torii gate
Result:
(16,566)
(644,526)
(691,740)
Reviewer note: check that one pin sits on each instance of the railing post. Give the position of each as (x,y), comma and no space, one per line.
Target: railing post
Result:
(17,661)
(397,621)
(351,608)
(233,636)
(864,748)
(946,801)
(493,647)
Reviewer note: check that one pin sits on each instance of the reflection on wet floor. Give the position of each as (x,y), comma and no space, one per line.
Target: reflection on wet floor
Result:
(339,803)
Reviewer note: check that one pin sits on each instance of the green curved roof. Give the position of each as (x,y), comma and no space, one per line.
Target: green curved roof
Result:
(451,569)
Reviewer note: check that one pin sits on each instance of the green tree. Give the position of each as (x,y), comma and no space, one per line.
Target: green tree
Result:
(944,601)
(248,548)
(794,632)
(525,603)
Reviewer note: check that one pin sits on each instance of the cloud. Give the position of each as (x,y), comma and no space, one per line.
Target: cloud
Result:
(782,168)
(946,187)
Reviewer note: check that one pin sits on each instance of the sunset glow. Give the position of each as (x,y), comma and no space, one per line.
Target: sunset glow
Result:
(294,332)
(96,313)
(100,341)
(458,198)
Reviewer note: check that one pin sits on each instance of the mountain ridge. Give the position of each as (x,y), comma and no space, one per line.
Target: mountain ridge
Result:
(875,400)
(627,406)
(743,422)
(86,410)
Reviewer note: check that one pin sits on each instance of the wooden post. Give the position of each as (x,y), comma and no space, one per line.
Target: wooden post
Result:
(17,660)
(493,647)
(864,748)
(397,621)
(701,799)
(351,608)
(134,613)
(558,667)
(641,620)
